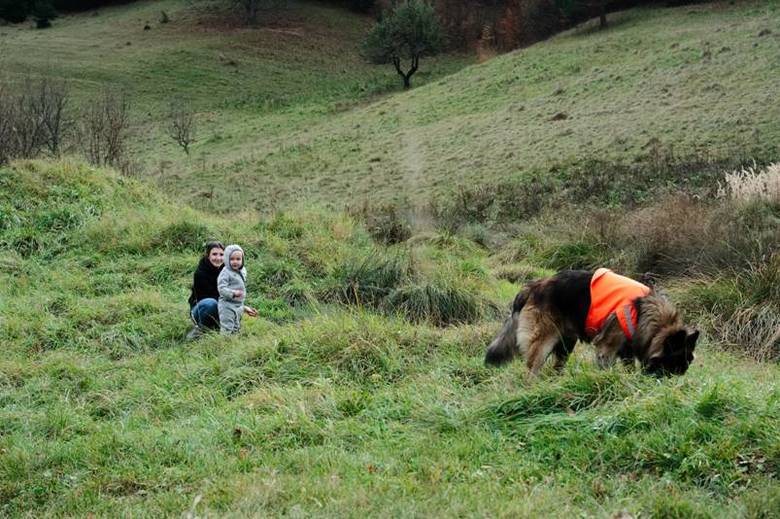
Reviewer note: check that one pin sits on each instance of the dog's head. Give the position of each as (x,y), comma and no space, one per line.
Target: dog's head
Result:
(674,353)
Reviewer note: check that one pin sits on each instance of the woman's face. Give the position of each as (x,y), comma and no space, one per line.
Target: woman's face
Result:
(215,256)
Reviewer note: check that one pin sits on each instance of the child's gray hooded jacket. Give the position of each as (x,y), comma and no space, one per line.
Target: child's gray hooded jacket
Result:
(231,308)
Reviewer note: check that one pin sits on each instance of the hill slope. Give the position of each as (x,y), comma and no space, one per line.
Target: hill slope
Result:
(248,85)
(320,408)
(690,80)
(294,120)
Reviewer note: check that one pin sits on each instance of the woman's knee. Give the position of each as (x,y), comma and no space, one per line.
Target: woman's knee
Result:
(206,313)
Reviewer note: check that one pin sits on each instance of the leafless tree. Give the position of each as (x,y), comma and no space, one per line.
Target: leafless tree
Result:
(182,126)
(28,128)
(6,125)
(104,130)
(51,101)
(32,117)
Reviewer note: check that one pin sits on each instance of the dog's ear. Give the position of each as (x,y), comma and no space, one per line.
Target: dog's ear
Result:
(675,342)
(690,340)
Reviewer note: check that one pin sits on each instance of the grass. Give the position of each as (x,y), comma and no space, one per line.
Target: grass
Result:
(361,388)
(321,408)
(248,86)
(303,118)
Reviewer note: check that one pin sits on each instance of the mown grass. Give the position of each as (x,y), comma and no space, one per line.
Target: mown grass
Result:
(325,408)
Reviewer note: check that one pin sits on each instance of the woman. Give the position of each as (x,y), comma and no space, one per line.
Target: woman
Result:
(204,296)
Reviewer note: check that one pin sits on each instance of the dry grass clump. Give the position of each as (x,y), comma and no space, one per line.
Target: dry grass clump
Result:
(739,308)
(751,183)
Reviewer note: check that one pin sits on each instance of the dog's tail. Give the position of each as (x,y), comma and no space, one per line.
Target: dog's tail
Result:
(504,346)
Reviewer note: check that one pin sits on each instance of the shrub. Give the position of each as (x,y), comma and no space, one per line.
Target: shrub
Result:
(32,118)
(286,227)
(182,236)
(367,280)
(298,293)
(441,304)
(740,308)
(43,12)
(472,204)
(362,6)
(478,233)
(182,126)
(385,223)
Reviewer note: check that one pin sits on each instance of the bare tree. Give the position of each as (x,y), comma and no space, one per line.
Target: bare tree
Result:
(181,125)
(28,128)
(32,118)
(6,125)
(104,130)
(51,101)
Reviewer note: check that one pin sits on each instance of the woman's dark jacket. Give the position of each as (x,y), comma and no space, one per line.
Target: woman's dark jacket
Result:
(204,282)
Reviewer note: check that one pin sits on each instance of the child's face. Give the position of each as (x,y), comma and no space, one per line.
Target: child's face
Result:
(236,260)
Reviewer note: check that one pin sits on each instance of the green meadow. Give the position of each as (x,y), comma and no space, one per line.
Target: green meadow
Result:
(360,390)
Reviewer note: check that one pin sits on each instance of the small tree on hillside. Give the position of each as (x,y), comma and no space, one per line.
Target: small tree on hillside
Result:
(181,125)
(407,33)
(104,126)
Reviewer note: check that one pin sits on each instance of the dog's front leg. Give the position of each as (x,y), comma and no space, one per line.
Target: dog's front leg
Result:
(609,342)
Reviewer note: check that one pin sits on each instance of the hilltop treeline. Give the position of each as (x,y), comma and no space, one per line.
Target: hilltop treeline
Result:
(18,10)
(508,24)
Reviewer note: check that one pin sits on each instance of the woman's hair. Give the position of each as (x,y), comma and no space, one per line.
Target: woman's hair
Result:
(213,245)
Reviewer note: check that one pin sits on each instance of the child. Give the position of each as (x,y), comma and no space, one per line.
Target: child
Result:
(231,284)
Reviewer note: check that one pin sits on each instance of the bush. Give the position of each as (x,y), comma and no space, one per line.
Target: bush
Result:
(104,127)
(740,308)
(472,204)
(182,236)
(367,280)
(439,304)
(384,222)
(682,235)
(43,12)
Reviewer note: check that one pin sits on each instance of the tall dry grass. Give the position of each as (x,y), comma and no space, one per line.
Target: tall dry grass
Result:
(751,183)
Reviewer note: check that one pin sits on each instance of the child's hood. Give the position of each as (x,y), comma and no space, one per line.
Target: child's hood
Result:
(229,250)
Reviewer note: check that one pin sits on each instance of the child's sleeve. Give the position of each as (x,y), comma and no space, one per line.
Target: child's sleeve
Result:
(222,287)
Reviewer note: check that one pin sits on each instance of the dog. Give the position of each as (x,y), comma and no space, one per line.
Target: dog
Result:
(621,317)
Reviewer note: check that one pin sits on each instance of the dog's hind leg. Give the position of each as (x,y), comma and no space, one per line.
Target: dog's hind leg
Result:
(562,350)
(538,351)
(540,336)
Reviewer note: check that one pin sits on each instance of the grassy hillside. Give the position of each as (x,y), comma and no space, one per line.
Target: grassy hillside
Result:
(360,390)
(290,114)
(333,402)
(248,85)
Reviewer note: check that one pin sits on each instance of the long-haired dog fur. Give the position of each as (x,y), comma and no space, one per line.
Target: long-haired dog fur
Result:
(548,317)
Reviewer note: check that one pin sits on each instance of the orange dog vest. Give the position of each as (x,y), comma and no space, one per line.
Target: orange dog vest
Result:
(610,292)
